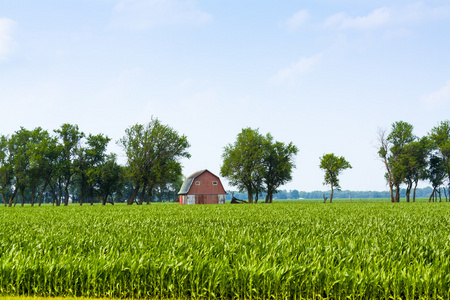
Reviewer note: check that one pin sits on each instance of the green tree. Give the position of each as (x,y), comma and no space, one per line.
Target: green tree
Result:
(90,158)
(6,169)
(440,137)
(333,165)
(436,175)
(278,163)
(110,178)
(243,162)
(70,137)
(400,136)
(413,160)
(20,159)
(152,150)
(42,154)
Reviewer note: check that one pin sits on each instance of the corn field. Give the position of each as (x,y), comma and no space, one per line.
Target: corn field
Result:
(278,251)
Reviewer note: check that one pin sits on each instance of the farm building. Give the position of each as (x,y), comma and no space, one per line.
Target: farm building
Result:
(202,187)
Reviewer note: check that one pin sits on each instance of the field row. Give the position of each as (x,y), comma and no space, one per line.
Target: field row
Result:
(284,250)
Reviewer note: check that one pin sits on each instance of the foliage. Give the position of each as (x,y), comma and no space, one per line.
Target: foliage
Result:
(243,162)
(279,251)
(333,165)
(153,153)
(254,160)
(278,164)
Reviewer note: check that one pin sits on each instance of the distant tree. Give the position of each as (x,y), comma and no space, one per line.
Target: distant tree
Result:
(294,194)
(436,175)
(384,153)
(440,137)
(151,150)
(88,161)
(243,162)
(110,178)
(70,137)
(333,165)
(41,151)
(413,160)
(6,169)
(278,163)
(20,159)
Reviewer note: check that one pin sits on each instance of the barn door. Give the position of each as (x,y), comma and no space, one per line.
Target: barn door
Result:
(201,199)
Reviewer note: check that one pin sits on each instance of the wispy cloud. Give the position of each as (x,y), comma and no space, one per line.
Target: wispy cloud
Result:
(438,97)
(6,40)
(147,14)
(298,20)
(388,16)
(377,18)
(291,73)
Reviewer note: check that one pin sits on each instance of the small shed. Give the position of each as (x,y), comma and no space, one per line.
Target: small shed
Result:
(202,187)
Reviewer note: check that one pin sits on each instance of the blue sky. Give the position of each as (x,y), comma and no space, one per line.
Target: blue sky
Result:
(324,75)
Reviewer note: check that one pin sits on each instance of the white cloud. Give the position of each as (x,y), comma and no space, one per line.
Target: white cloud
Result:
(437,97)
(299,19)
(377,18)
(388,16)
(6,41)
(291,73)
(147,14)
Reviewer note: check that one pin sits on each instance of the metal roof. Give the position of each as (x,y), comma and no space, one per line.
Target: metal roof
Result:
(188,182)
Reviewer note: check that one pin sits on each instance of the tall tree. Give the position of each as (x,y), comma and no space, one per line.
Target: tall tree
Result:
(151,150)
(6,169)
(436,174)
(440,136)
(383,153)
(414,162)
(333,165)
(20,159)
(243,162)
(110,178)
(278,164)
(90,158)
(70,137)
(400,136)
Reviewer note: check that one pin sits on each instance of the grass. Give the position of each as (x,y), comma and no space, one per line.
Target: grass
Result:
(296,249)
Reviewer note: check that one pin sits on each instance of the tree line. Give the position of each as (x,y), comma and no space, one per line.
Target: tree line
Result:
(340,194)
(70,166)
(409,159)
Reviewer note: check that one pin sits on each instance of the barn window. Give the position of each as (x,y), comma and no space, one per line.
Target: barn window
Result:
(214,182)
(197,183)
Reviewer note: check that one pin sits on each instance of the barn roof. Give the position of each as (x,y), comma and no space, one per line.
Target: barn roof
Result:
(188,182)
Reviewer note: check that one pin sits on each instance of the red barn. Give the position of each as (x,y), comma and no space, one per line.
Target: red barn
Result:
(202,187)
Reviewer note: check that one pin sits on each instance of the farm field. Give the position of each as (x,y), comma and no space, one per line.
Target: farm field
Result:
(294,249)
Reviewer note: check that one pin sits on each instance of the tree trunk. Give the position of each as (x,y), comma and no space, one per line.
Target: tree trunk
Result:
(414,193)
(150,193)
(332,192)
(13,196)
(133,196)
(250,197)
(397,193)
(41,194)
(408,190)
(66,189)
(391,185)
(256,197)
(141,199)
(431,196)
(325,199)
(22,198)
(267,198)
